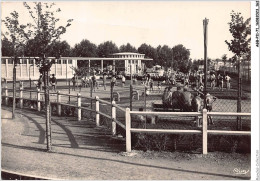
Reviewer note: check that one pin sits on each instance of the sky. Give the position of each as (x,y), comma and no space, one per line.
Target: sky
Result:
(151,22)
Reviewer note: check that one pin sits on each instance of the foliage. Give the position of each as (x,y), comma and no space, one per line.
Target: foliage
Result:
(107,48)
(127,48)
(240,31)
(85,49)
(44,30)
(181,58)
(7,47)
(15,35)
(58,48)
(164,56)
(149,52)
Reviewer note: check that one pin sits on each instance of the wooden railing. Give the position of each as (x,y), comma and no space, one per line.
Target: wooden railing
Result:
(76,104)
(127,127)
(204,131)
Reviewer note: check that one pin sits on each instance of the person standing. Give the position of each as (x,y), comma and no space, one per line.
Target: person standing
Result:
(40,82)
(123,81)
(228,79)
(94,82)
(220,82)
(104,80)
(53,82)
(186,100)
(74,82)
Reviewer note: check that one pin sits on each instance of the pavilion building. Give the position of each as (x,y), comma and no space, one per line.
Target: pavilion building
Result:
(26,68)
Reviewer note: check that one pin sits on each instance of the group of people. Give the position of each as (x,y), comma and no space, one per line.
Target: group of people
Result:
(220,79)
(52,80)
(183,100)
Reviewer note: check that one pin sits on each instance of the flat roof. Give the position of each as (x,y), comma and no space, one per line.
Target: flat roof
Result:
(126,53)
(86,58)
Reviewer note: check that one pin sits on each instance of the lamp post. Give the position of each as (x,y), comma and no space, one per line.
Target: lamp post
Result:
(205,26)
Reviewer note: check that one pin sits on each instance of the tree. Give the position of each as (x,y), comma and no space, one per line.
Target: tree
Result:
(85,49)
(149,52)
(240,45)
(107,48)
(181,57)
(43,32)
(127,48)
(16,35)
(164,56)
(58,48)
(7,47)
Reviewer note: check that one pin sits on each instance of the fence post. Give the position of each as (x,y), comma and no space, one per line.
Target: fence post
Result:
(127,130)
(58,103)
(113,118)
(38,100)
(205,132)
(97,112)
(21,97)
(6,95)
(79,106)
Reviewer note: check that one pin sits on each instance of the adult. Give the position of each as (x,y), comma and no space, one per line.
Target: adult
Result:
(220,82)
(123,80)
(212,81)
(74,80)
(104,80)
(94,82)
(176,98)
(228,79)
(186,100)
(167,97)
(209,104)
(151,84)
(40,82)
(53,82)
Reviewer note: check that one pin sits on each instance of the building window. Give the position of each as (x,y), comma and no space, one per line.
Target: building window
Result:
(30,61)
(59,62)
(70,62)
(24,61)
(129,61)
(64,61)
(3,61)
(10,61)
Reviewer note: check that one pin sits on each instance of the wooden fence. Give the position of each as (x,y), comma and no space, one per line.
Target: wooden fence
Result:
(127,127)
(204,130)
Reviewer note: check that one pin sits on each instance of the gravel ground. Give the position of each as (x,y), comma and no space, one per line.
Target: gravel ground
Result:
(82,151)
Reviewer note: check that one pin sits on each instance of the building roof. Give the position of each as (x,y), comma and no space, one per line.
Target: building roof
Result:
(126,53)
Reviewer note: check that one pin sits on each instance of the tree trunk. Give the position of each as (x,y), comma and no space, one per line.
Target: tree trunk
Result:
(47,109)
(14,90)
(239,94)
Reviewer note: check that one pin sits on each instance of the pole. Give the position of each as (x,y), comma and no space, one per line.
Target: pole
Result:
(205,24)
(69,91)
(239,95)
(14,89)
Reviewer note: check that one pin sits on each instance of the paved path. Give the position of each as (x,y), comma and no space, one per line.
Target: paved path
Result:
(81,151)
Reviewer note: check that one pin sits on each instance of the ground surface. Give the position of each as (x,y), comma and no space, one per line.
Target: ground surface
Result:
(82,151)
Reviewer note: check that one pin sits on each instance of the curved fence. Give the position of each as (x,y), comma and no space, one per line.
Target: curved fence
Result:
(112,115)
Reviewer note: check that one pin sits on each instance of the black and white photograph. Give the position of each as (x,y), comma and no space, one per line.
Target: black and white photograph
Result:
(130,90)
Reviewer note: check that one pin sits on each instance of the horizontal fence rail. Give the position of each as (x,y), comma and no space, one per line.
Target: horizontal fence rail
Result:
(61,99)
(204,131)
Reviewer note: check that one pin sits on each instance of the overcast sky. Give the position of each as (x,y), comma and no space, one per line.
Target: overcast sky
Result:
(151,22)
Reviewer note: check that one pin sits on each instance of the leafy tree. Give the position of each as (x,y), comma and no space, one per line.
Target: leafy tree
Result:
(43,32)
(58,48)
(224,59)
(164,56)
(85,49)
(241,31)
(149,52)
(7,47)
(107,48)
(16,35)
(181,57)
(240,45)
(127,48)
